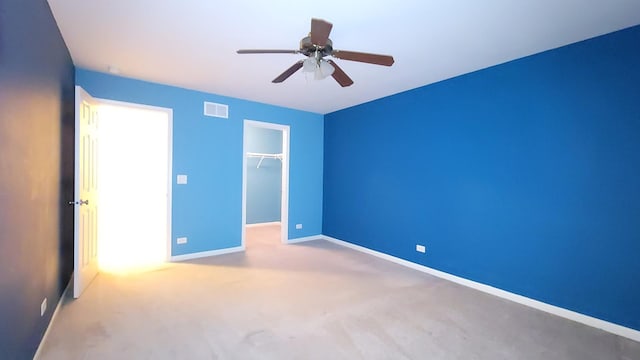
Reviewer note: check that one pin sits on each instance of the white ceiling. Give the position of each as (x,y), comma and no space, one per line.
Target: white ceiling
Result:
(192,43)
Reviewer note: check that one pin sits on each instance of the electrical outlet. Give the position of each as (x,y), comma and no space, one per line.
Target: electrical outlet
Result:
(421,248)
(298,226)
(181,240)
(43,307)
(181,179)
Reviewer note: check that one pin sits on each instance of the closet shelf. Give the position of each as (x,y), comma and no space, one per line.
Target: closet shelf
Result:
(263,156)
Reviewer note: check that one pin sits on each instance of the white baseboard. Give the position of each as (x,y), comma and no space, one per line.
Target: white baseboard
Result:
(53,317)
(552,309)
(306,238)
(206,253)
(263,224)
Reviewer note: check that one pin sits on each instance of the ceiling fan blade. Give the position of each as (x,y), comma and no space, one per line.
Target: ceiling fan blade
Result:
(340,76)
(320,30)
(376,59)
(259,51)
(295,67)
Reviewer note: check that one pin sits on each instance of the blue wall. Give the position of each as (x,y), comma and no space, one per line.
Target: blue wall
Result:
(208,210)
(524,176)
(36,169)
(264,183)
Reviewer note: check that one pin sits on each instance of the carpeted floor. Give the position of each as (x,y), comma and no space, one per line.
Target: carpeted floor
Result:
(313,300)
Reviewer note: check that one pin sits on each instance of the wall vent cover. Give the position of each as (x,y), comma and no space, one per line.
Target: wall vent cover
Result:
(216,110)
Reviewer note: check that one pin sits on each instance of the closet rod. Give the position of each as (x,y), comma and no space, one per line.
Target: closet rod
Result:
(263,156)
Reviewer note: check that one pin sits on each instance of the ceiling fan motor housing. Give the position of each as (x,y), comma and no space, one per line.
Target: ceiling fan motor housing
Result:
(308,48)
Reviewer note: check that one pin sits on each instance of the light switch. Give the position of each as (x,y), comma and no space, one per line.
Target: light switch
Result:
(182,179)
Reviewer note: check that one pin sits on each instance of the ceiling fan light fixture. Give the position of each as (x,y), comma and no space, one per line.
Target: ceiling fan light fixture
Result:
(326,69)
(309,65)
(323,70)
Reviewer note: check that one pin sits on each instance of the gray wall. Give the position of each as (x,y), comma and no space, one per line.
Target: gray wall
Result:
(36,172)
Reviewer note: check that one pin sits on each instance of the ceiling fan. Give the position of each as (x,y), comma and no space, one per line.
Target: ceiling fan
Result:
(315,47)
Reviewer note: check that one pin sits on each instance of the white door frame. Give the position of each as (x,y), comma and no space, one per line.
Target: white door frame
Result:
(284,203)
(169,113)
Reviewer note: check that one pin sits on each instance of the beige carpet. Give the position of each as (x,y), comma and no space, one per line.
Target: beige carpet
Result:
(313,300)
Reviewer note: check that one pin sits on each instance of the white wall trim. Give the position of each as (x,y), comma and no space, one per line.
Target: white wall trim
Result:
(305,239)
(207,253)
(552,309)
(263,224)
(53,317)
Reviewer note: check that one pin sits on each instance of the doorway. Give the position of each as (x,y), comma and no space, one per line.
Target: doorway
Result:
(122,187)
(265,182)
(134,192)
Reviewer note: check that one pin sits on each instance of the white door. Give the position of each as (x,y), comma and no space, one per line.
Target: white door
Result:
(85,194)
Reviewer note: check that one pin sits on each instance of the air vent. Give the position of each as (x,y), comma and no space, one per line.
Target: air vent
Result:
(216,110)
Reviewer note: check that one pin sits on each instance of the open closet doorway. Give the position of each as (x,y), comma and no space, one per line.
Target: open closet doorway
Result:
(265,184)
